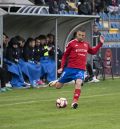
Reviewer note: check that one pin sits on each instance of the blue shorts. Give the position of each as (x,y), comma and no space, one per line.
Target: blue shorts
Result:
(70,74)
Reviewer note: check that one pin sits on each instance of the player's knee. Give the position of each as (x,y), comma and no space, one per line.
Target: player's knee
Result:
(78,82)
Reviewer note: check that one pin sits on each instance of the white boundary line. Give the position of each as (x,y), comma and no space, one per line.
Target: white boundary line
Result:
(34,101)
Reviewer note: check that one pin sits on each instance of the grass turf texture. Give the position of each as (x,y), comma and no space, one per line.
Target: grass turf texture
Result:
(99,108)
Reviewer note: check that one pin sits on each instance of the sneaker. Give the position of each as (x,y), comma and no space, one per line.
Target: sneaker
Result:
(52,83)
(27,84)
(8,85)
(3,90)
(40,82)
(94,79)
(74,105)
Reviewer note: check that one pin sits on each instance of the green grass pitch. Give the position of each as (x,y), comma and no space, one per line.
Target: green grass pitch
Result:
(99,108)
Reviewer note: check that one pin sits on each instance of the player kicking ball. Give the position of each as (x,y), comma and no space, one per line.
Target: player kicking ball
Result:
(76,53)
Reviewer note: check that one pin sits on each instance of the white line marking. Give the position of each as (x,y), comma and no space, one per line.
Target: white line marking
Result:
(35,101)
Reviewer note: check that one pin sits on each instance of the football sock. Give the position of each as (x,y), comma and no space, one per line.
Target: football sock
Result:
(76,95)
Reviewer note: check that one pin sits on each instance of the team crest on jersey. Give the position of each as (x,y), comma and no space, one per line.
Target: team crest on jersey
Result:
(85,45)
(76,45)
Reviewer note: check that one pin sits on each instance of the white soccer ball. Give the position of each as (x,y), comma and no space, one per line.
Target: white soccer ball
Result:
(61,102)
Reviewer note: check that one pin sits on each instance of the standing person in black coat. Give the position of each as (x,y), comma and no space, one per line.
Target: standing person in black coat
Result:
(96,35)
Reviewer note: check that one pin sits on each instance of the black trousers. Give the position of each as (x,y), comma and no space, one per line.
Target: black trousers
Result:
(89,69)
(3,76)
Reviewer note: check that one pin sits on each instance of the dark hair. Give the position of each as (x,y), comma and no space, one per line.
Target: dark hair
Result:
(82,30)
(5,35)
(42,37)
(37,38)
(50,35)
(28,41)
(19,38)
(13,41)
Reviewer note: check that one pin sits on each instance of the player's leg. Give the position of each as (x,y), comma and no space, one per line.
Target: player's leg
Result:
(56,84)
(77,93)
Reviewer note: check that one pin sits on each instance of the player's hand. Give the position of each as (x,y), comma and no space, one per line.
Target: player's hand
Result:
(102,39)
(60,70)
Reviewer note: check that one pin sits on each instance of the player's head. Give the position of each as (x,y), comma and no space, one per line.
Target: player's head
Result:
(80,35)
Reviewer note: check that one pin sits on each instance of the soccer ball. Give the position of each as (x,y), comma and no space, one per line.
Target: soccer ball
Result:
(61,102)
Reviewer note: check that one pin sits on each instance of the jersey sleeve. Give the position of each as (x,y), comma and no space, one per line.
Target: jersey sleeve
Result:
(94,50)
(66,54)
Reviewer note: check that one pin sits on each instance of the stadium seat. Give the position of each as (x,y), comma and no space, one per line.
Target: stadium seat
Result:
(104,16)
(112,17)
(113,25)
(114,37)
(118,36)
(100,26)
(117,17)
(106,37)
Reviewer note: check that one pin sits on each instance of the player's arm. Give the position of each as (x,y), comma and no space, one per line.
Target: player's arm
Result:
(64,57)
(94,50)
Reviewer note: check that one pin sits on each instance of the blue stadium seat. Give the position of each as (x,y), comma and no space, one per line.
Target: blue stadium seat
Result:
(112,16)
(104,16)
(106,37)
(117,39)
(117,17)
(99,25)
(118,36)
(110,37)
(115,25)
(112,25)
(114,37)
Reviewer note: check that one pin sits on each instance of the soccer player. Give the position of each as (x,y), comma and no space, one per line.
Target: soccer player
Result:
(76,53)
